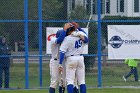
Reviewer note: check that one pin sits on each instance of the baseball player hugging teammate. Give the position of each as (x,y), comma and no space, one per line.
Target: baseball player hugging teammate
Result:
(54,73)
(54,62)
(72,48)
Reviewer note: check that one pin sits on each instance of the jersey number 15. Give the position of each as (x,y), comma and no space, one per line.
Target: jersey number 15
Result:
(78,43)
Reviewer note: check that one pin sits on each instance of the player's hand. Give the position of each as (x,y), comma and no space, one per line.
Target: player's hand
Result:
(75,33)
(60,68)
(66,26)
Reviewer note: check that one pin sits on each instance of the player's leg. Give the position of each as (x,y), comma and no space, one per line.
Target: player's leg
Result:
(6,77)
(75,88)
(1,77)
(62,84)
(81,75)
(130,73)
(51,90)
(61,89)
(54,73)
(71,65)
(135,74)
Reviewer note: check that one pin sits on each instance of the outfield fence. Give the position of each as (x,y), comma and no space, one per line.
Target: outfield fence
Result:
(24,22)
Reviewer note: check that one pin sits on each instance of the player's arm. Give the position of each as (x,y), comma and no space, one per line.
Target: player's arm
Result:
(62,55)
(63,49)
(126,61)
(61,58)
(82,34)
(59,40)
(84,37)
(62,35)
(80,29)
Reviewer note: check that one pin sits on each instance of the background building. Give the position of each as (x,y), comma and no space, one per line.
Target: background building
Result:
(129,8)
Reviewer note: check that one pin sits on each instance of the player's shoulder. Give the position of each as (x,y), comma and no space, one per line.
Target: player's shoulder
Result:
(67,38)
(70,37)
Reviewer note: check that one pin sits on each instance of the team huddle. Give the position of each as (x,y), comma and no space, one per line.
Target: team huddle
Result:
(67,64)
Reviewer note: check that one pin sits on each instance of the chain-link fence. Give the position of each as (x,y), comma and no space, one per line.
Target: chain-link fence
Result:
(23,23)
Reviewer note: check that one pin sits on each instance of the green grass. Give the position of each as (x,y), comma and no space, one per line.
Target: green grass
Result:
(17,75)
(95,90)
(111,76)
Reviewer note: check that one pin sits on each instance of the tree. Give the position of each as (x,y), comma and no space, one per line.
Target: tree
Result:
(14,9)
(79,15)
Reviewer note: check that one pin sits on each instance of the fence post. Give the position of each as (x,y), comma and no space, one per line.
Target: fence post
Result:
(26,43)
(99,45)
(40,40)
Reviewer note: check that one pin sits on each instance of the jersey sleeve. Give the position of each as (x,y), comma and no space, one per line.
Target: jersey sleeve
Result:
(61,37)
(86,39)
(80,29)
(85,35)
(126,61)
(61,57)
(63,48)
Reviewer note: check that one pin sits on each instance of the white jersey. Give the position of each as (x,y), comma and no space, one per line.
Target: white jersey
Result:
(55,50)
(54,64)
(72,46)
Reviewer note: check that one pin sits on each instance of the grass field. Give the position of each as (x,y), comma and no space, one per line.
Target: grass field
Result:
(95,90)
(111,76)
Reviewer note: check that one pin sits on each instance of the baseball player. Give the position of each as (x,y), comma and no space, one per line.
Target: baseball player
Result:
(54,73)
(53,63)
(83,35)
(71,48)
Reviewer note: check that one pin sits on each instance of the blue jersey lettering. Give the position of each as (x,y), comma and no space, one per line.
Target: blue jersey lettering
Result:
(78,43)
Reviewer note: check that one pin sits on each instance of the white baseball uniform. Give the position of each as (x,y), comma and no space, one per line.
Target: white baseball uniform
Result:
(54,65)
(73,47)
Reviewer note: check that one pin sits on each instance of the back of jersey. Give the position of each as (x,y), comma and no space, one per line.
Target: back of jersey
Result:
(72,46)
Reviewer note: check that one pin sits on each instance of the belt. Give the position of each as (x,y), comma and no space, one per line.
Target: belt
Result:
(55,58)
(71,55)
(76,55)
